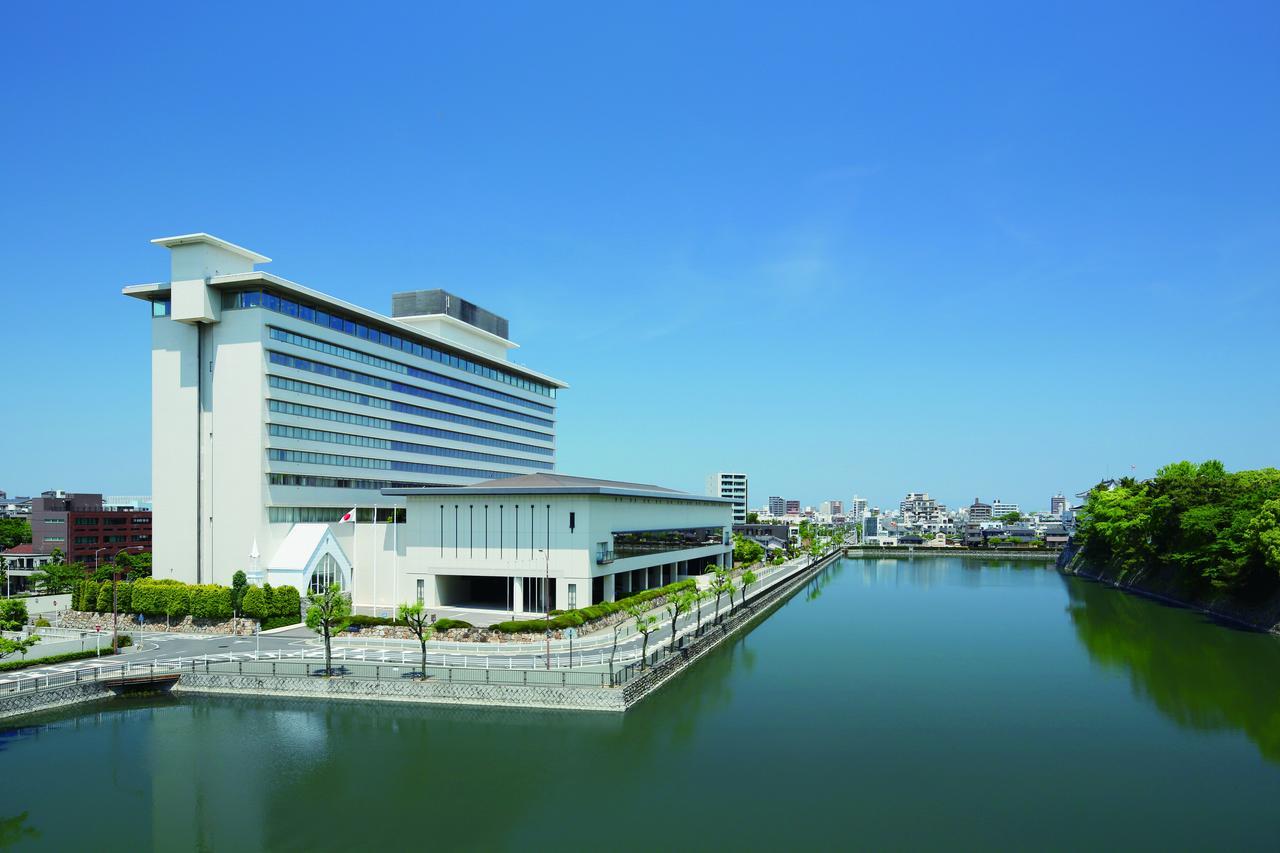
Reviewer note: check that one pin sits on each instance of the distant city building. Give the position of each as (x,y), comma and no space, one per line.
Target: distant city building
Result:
(870,527)
(857,507)
(793,507)
(1057,504)
(831,508)
(14,507)
(777,506)
(978,511)
(734,487)
(999,508)
(86,529)
(919,508)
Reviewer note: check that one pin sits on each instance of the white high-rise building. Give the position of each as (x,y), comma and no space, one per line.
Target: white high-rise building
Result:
(734,487)
(277,409)
(999,508)
(857,507)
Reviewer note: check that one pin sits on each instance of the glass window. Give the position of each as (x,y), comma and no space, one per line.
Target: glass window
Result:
(160,308)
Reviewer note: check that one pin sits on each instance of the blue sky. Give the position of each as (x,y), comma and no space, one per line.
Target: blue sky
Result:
(988,250)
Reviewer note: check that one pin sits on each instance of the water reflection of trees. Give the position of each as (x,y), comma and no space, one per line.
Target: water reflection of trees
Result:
(1201,675)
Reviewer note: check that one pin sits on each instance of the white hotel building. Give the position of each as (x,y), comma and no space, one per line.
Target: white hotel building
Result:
(276,409)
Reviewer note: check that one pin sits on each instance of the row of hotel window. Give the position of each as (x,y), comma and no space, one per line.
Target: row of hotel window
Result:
(349,324)
(404,408)
(308,458)
(400,387)
(304,434)
(285,408)
(396,367)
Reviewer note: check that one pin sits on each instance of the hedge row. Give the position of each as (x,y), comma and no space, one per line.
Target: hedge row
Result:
(360,621)
(175,599)
(581,616)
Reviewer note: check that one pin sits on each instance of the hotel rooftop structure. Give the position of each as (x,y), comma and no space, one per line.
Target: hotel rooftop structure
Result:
(276,409)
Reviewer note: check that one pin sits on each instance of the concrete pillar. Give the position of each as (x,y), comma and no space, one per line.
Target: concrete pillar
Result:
(609,588)
(517,594)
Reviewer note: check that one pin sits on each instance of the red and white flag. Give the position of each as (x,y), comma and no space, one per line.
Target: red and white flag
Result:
(351,516)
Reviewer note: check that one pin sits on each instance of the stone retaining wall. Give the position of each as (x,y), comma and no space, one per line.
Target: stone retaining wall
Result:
(430,692)
(757,608)
(87,621)
(16,704)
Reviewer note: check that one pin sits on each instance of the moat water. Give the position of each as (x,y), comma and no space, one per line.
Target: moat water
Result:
(927,703)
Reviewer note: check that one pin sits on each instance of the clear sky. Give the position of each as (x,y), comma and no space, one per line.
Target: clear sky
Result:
(974,249)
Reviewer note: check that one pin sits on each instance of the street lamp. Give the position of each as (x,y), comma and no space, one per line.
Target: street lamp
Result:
(115,576)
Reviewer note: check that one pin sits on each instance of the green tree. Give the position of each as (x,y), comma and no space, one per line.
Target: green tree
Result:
(13,532)
(255,604)
(677,605)
(419,621)
(1264,534)
(613,652)
(1010,517)
(645,625)
(103,603)
(753,518)
(719,586)
(700,595)
(239,585)
(330,613)
(57,577)
(746,551)
(285,601)
(89,596)
(13,614)
(21,645)
(748,578)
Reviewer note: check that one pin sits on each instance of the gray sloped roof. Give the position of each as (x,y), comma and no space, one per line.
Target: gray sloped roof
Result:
(562,484)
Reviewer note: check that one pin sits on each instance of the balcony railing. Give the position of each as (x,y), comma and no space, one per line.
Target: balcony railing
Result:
(603,557)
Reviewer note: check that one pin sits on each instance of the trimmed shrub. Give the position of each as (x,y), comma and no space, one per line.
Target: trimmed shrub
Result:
(285,601)
(574,618)
(210,601)
(103,604)
(256,605)
(446,624)
(150,596)
(360,621)
(279,622)
(88,595)
(124,597)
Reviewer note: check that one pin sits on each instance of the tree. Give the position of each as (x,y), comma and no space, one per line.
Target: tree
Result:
(239,584)
(57,577)
(753,518)
(103,603)
(747,551)
(700,595)
(731,588)
(1011,517)
(13,532)
(285,601)
(676,605)
(613,652)
(720,585)
(748,578)
(4,572)
(415,615)
(646,625)
(256,604)
(21,645)
(330,613)
(1264,534)
(13,614)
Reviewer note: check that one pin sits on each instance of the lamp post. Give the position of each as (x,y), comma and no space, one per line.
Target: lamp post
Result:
(115,576)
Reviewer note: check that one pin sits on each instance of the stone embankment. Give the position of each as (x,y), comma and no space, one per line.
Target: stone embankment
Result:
(88,621)
(892,552)
(1165,585)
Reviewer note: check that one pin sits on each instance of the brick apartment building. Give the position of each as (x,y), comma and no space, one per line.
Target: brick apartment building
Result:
(82,526)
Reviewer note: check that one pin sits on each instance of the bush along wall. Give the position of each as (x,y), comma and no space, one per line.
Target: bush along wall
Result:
(581,616)
(157,599)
